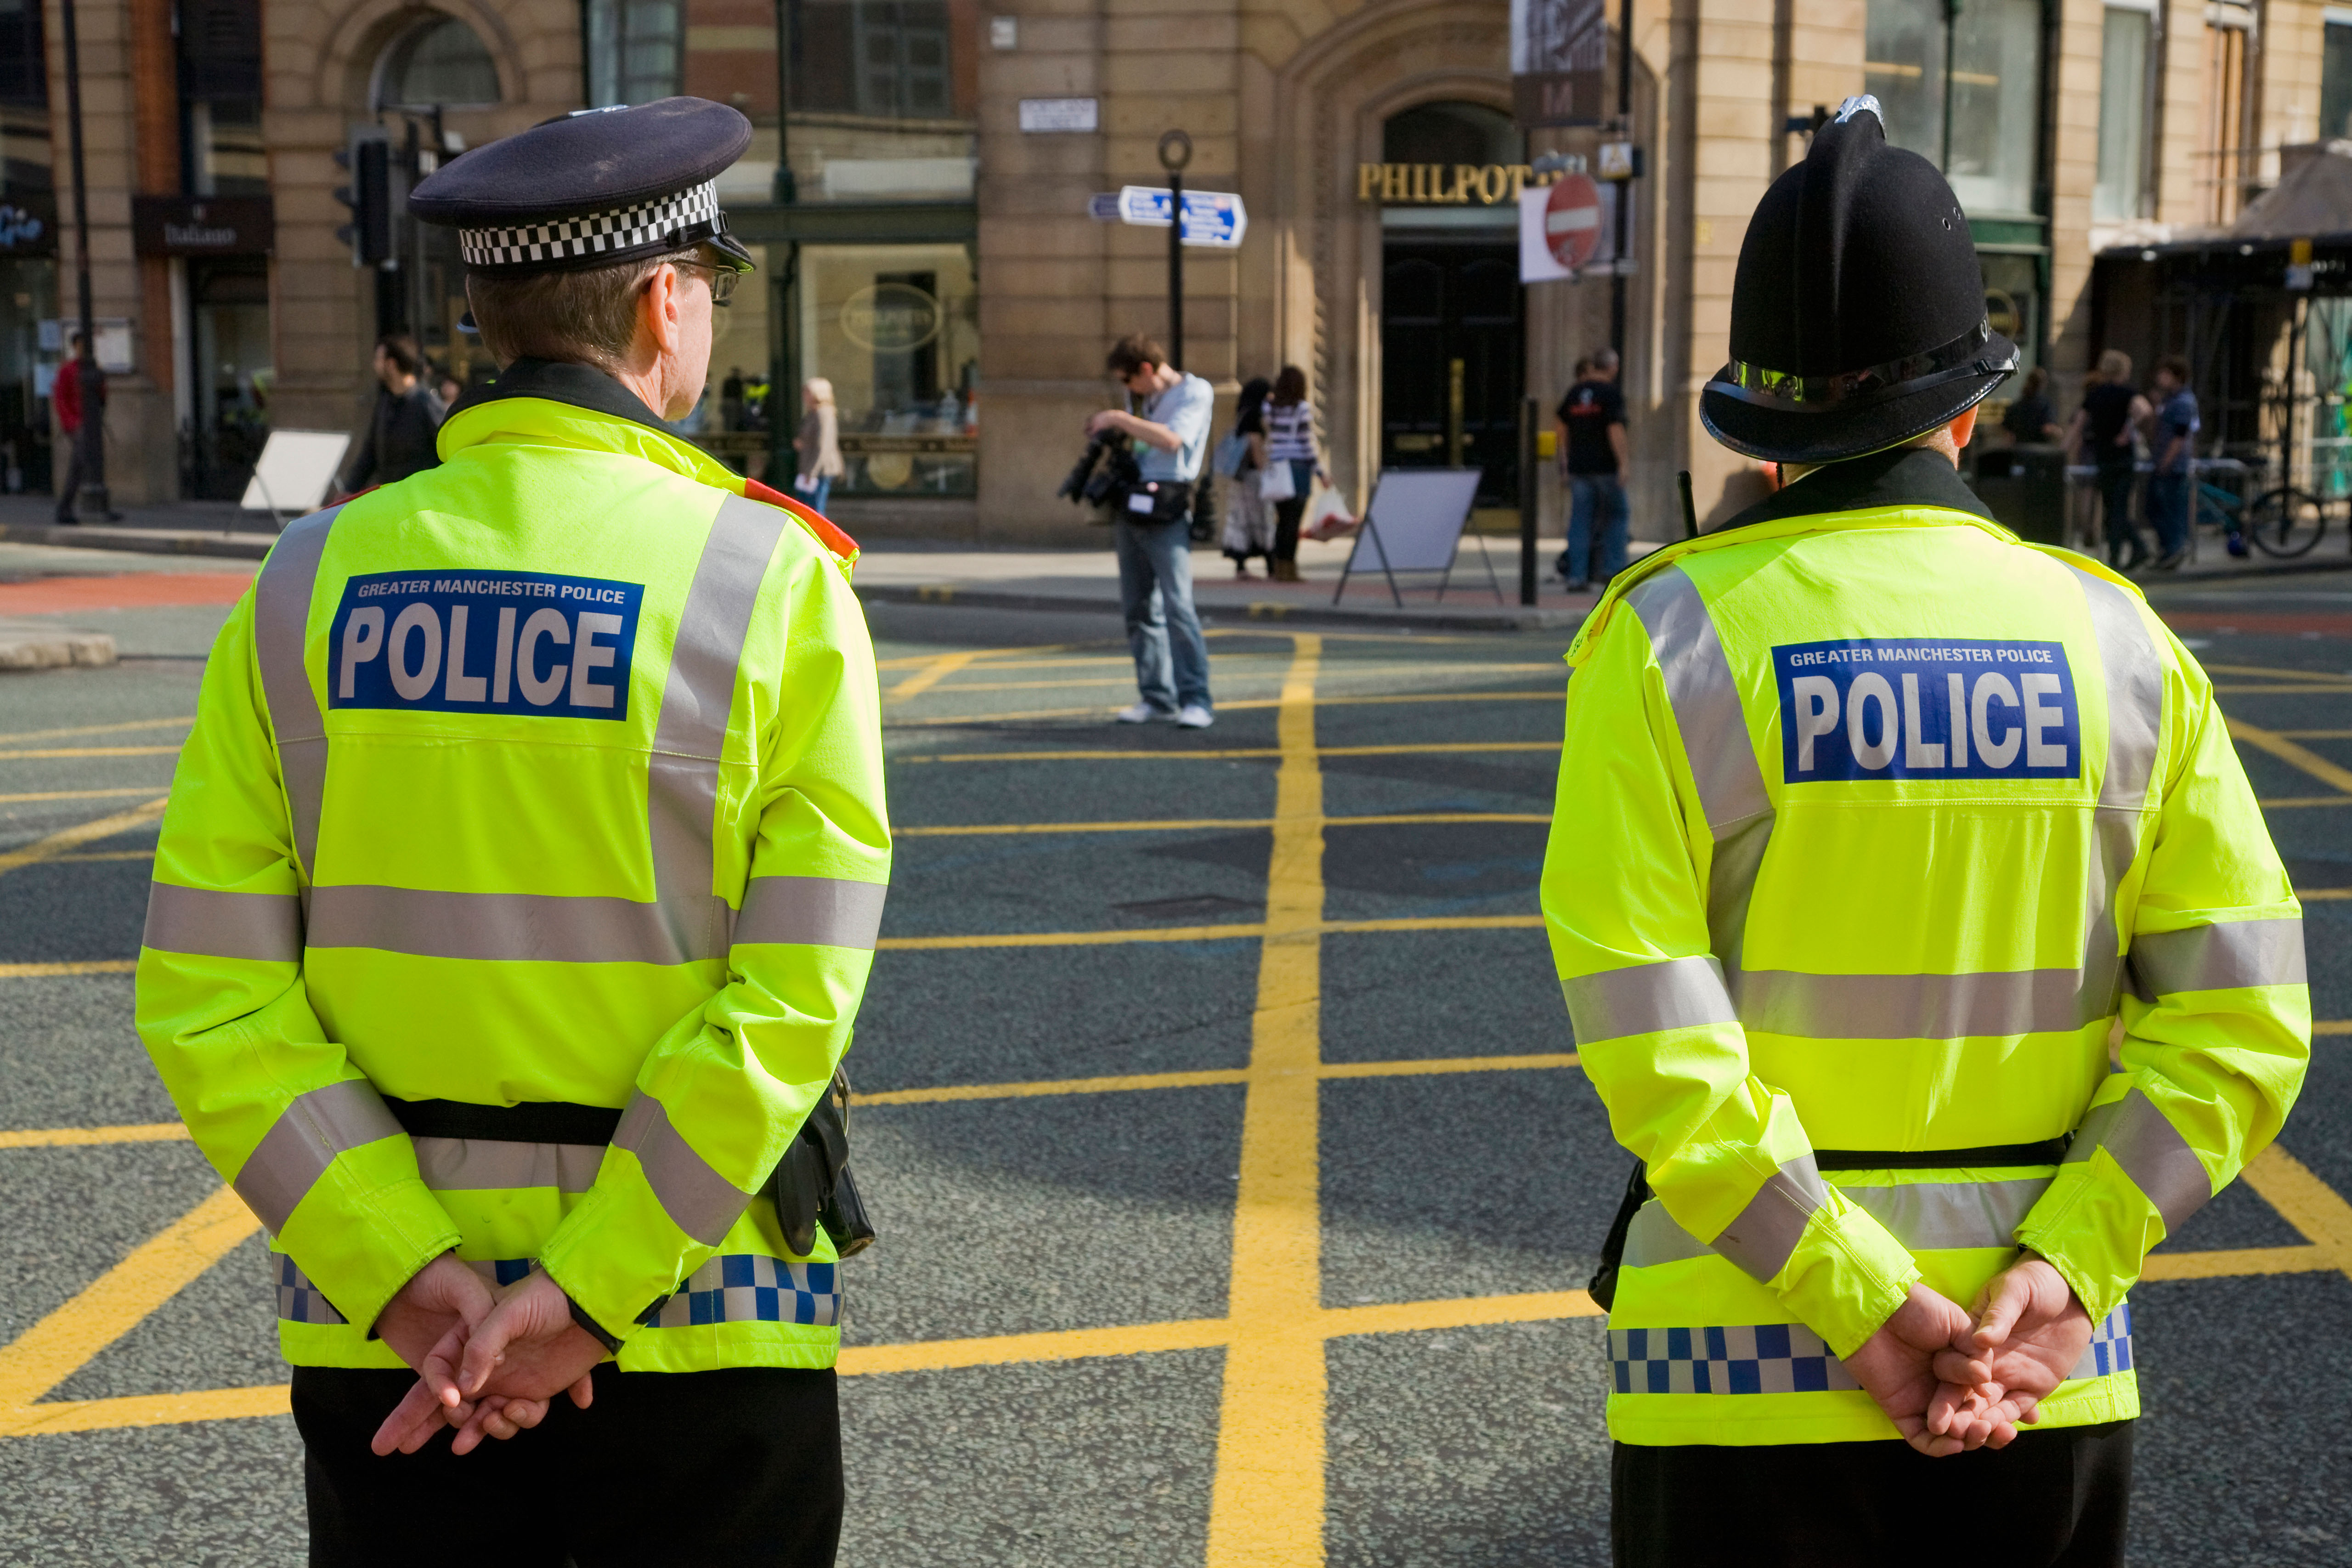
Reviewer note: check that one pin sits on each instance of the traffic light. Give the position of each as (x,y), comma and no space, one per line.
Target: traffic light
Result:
(367,158)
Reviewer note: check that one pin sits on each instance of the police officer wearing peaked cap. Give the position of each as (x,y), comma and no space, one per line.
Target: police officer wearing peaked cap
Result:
(513,908)
(1874,825)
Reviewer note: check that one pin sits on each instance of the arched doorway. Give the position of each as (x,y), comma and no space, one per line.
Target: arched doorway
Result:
(1453,335)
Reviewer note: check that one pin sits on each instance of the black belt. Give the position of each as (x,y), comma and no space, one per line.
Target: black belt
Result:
(533,1122)
(2049,1152)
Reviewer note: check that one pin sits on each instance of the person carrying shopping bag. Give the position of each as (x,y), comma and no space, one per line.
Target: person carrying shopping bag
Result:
(1292,467)
(1241,458)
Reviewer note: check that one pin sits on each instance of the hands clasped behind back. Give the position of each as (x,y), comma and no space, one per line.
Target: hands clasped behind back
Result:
(487,1363)
(1951,1382)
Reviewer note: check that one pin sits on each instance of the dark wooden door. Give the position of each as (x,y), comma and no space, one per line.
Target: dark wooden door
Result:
(1453,356)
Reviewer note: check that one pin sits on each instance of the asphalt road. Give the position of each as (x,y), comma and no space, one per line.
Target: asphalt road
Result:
(1201,1186)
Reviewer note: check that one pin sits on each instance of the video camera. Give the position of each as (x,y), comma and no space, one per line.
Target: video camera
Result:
(1105,471)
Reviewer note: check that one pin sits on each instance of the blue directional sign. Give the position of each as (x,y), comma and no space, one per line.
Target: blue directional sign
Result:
(1214,219)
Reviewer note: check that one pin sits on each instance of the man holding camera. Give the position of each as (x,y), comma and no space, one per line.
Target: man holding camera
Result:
(1153,518)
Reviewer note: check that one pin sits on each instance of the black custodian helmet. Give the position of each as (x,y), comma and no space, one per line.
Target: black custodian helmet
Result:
(1858,314)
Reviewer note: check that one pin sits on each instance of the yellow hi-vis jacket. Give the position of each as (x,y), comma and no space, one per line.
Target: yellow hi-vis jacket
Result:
(547,783)
(1868,821)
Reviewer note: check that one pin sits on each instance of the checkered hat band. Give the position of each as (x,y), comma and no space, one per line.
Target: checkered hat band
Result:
(612,233)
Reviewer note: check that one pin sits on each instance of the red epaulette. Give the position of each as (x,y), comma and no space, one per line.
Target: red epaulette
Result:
(832,538)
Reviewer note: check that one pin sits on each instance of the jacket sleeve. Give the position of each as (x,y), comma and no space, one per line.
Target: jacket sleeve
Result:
(1624,903)
(2217,1024)
(268,1094)
(722,1095)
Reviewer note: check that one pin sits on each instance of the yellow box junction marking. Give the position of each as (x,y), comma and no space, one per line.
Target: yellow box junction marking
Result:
(2295,756)
(58,843)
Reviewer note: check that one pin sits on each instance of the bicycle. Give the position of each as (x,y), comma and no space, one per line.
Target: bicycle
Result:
(2283,522)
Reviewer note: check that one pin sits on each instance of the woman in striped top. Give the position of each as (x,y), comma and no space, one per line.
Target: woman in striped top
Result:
(1290,438)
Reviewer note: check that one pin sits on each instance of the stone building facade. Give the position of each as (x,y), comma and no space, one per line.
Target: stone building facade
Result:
(920,184)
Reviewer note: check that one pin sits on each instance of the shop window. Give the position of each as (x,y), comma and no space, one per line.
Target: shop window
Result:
(225,154)
(1961,85)
(2336,76)
(220,98)
(228,306)
(891,59)
(2228,108)
(438,63)
(896,328)
(2122,186)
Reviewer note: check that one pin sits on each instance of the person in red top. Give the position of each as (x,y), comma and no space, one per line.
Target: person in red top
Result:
(64,397)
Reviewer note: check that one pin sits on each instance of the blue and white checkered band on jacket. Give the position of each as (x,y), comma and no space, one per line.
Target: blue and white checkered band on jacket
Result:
(643,226)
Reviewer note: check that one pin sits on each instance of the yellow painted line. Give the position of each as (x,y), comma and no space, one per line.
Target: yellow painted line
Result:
(13,737)
(58,1346)
(2304,1202)
(144,1410)
(2283,674)
(1206,932)
(1068,1345)
(1227,706)
(81,1137)
(2332,1026)
(1440,923)
(58,843)
(917,660)
(1140,756)
(51,752)
(80,966)
(2314,734)
(1434,1066)
(2232,1264)
(2332,774)
(1266,1504)
(78,794)
(930,675)
(95,855)
(1047,1087)
(2322,895)
(1222,824)
(1460,1312)
(2288,801)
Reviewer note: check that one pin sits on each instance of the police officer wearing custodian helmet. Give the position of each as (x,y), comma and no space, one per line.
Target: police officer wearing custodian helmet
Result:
(513,906)
(1875,826)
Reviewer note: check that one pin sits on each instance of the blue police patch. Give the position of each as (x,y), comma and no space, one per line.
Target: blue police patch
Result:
(1893,707)
(485,642)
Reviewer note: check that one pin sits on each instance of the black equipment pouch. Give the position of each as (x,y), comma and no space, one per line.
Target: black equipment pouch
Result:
(813,1186)
(1156,502)
(1602,1286)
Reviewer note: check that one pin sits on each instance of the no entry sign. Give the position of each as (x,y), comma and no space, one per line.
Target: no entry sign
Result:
(1572,219)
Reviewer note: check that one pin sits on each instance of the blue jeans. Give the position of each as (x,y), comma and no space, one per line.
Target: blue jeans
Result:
(1155,591)
(815,499)
(1590,493)
(2168,510)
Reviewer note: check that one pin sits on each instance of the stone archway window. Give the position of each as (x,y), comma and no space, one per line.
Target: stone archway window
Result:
(1451,132)
(440,62)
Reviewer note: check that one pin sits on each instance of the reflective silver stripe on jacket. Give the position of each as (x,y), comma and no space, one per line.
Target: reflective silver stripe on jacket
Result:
(281,621)
(1642,998)
(691,737)
(222,925)
(822,911)
(1762,1236)
(1924,1217)
(698,1199)
(1714,728)
(2151,1150)
(308,1135)
(2218,957)
(2133,677)
(485,1164)
(1914,1006)
(505,926)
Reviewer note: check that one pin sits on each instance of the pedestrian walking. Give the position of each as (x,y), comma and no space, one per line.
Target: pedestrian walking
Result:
(1875,826)
(1591,422)
(2102,434)
(512,910)
(818,444)
(404,423)
(1292,467)
(84,468)
(1152,524)
(1240,461)
(2173,441)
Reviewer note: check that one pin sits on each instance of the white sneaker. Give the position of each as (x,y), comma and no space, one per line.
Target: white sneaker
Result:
(1141,713)
(1194,717)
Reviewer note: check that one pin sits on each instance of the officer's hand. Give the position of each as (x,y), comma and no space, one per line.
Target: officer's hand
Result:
(2028,1334)
(441,1296)
(527,1350)
(1895,1367)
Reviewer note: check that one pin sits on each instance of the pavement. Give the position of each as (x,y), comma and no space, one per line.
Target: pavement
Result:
(1236,1199)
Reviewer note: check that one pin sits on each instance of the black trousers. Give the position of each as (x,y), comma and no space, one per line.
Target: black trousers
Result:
(2050,1499)
(2124,548)
(735,1467)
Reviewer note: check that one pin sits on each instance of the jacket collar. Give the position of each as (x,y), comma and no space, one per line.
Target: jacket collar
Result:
(583,386)
(1902,475)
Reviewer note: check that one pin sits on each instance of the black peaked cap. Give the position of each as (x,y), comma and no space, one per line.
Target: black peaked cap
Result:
(591,189)
(1858,313)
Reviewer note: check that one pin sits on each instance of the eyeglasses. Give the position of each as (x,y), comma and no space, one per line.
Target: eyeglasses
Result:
(722,280)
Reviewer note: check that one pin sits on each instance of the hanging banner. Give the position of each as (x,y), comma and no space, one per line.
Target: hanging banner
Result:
(1559,62)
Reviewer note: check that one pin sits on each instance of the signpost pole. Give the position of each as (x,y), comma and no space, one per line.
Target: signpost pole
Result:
(1624,186)
(1530,413)
(90,441)
(1175,152)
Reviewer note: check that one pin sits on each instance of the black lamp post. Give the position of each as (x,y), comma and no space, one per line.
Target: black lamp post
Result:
(1175,152)
(90,441)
